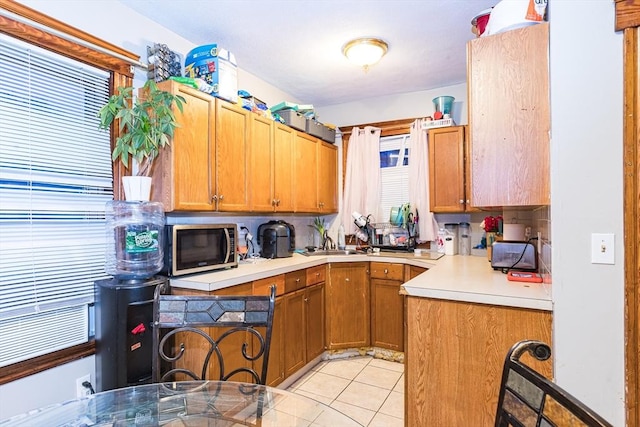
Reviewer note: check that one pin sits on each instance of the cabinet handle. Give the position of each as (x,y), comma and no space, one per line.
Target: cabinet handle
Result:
(214,198)
(461,201)
(273,202)
(386,271)
(317,274)
(468,202)
(278,202)
(306,300)
(346,280)
(221,197)
(298,280)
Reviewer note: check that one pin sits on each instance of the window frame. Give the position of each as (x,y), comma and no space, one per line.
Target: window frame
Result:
(121,75)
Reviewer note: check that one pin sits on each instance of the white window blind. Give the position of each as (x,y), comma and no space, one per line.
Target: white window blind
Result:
(55,178)
(394,173)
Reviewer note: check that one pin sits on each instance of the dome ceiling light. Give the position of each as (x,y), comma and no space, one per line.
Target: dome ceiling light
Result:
(365,51)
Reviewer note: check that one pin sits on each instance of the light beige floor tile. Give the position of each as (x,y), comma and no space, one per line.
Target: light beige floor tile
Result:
(382,420)
(400,385)
(361,415)
(343,368)
(301,381)
(364,395)
(379,377)
(279,419)
(324,385)
(333,419)
(394,405)
(386,364)
(321,399)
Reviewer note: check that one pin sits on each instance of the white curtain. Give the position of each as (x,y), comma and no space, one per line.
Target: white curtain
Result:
(362,180)
(419,183)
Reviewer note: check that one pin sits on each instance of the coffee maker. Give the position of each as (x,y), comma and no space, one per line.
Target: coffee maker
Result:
(277,239)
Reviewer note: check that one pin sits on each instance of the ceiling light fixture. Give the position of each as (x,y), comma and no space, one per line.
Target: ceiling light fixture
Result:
(365,51)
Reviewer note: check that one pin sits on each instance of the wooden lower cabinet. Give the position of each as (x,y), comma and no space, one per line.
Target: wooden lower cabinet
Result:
(454,357)
(348,310)
(315,320)
(275,371)
(387,314)
(295,346)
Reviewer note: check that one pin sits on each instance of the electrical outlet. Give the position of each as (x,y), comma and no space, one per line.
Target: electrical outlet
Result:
(82,391)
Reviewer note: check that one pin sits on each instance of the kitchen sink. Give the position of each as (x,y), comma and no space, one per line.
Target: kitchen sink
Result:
(331,252)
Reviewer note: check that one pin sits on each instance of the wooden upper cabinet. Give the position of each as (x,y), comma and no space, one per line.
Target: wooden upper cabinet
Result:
(327,177)
(261,164)
(305,170)
(283,140)
(182,173)
(233,127)
(509,117)
(446,169)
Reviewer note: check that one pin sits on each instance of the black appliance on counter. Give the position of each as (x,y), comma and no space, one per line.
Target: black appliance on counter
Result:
(277,239)
(124,335)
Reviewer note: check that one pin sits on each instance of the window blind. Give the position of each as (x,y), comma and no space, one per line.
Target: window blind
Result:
(55,178)
(394,173)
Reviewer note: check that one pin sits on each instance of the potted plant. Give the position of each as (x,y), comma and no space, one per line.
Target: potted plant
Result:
(146,124)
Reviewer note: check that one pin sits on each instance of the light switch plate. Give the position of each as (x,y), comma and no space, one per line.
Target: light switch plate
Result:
(602,248)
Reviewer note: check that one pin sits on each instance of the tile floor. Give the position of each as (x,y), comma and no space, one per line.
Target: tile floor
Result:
(371,391)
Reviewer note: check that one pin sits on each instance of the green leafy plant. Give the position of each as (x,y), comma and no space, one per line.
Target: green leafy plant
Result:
(146,124)
(319,225)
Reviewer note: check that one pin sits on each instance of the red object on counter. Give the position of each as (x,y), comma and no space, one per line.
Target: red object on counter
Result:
(524,276)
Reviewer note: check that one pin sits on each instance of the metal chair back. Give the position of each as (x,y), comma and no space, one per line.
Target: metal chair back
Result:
(529,399)
(196,336)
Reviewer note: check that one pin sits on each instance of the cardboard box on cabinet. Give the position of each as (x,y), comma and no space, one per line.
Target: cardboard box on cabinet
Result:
(216,66)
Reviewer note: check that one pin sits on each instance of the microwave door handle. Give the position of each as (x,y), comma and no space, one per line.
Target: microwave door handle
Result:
(227,244)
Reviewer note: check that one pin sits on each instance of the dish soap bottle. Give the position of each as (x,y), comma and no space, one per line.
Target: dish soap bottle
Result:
(341,239)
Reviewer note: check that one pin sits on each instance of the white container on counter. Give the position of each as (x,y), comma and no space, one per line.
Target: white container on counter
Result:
(450,245)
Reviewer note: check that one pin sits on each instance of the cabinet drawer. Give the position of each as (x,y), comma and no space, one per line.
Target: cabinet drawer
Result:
(316,275)
(261,287)
(295,280)
(387,270)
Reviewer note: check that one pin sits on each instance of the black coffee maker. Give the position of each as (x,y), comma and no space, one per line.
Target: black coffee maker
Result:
(277,239)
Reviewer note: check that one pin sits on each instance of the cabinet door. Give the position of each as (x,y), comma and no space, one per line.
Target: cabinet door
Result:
(233,125)
(327,177)
(182,174)
(314,300)
(446,169)
(283,139)
(295,334)
(348,323)
(387,314)
(275,371)
(261,165)
(305,169)
(509,120)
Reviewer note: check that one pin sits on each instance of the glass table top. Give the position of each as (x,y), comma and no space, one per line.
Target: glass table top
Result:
(194,403)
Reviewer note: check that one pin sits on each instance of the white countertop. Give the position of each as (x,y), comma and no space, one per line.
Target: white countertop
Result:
(456,278)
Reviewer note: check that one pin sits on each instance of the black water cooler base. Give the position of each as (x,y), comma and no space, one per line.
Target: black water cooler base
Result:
(124,316)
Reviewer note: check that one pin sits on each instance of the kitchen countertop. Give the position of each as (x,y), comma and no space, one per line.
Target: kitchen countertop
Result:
(456,278)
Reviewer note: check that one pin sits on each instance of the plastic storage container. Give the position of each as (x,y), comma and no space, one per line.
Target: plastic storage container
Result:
(451,239)
(464,233)
(443,104)
(314,128)
(134,240)
(293,119)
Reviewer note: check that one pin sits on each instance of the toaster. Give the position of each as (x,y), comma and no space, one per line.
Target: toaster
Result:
(277,239)
(514,255)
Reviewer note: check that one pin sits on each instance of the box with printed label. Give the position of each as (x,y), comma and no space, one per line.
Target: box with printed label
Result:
(217,67)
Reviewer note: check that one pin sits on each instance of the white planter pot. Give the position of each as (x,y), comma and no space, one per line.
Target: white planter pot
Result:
(137,188)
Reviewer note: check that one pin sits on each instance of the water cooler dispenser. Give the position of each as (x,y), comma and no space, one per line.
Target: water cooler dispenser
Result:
(124,304)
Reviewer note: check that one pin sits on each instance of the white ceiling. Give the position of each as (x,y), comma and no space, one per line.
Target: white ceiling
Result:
(296,45)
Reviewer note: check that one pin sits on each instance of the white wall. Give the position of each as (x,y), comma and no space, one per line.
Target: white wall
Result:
(52,386)
(586,197)
(395,107)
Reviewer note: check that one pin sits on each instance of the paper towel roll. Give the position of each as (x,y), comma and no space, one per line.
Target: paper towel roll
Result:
(514,232)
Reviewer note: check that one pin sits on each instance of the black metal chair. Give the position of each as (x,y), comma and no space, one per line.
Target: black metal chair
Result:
(241,329)
(529,399)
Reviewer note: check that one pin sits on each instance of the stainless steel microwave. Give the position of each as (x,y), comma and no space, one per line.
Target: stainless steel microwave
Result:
(198,248)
